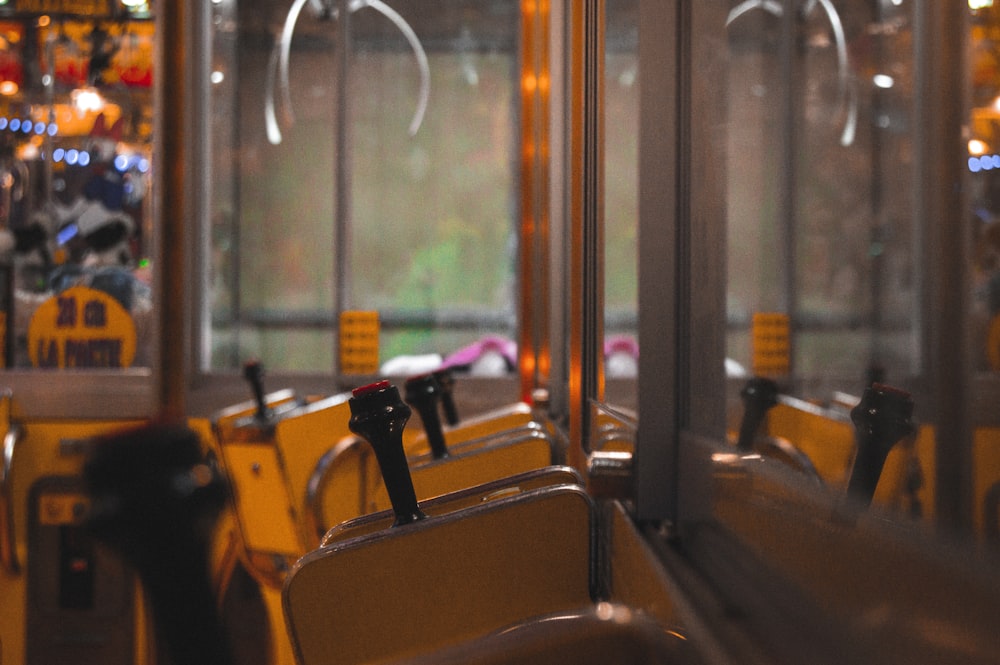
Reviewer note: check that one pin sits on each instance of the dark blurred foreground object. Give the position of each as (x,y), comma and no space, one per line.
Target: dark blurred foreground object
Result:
(155,500)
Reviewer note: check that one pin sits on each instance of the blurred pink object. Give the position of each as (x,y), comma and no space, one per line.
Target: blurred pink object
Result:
(477,353)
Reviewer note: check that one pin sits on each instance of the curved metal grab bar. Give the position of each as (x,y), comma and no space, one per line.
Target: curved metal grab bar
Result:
(8,536)
(281,54)
(846,97)
(322,472)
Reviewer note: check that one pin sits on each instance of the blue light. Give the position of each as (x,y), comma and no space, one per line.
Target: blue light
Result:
(121,163)
(72,155)
(143,165)
(15,124)
(3,123)
(27,126)
(53,129)
(84,158)
(67,233)
(58,154)
(984,163)
(39,128)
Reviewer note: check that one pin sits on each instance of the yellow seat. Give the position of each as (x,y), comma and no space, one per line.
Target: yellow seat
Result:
(410,590)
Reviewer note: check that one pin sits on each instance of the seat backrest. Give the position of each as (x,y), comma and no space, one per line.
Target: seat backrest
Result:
(301,441)
(433,478)
(549,476)
(260,493)
(439,581)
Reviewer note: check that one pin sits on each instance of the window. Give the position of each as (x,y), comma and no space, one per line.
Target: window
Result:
(383,176)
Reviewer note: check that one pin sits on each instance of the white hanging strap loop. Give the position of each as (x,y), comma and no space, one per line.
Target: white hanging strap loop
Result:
(281,55)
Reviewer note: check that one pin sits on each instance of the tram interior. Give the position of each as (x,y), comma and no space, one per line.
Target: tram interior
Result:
(484,331)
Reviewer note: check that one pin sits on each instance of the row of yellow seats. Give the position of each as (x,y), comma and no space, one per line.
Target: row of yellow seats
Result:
(297,470)
(506,571)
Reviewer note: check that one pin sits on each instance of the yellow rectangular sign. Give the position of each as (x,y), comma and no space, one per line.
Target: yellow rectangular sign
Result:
(771,344)
(359,342)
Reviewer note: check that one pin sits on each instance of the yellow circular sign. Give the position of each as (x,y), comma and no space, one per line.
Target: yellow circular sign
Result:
(81,328)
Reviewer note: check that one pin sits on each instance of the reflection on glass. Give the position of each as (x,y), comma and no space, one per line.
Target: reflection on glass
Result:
(821,242)
(819,173)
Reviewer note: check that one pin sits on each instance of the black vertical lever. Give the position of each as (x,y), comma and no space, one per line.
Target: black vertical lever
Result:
(881,419)
(155,499)
(253,372)
(423,393)
(379,415)
(446,380)
(759,396)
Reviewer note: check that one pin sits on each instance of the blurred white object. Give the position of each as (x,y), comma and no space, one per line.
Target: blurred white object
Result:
(734,370)
(410,365)
(490,363)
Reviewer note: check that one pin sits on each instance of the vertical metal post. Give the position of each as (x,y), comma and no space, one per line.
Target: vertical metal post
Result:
(586,306)
(791,94)
(342,172)
(660,117)
(942,220)
(201,192)
(558,209)
(536,84)
(173,110)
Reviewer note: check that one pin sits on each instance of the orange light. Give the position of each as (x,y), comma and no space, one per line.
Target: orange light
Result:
(8,88)
(978,147)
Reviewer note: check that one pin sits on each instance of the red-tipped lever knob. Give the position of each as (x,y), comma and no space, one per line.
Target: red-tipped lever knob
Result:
(881,419)
(253,372)
(379,416)
(759,396)
(423,393)
(447,382)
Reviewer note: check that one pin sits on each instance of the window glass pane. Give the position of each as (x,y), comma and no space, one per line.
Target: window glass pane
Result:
(984,167)
(432,220)
(407,207)
(819,189)
(75,173)
(621,127)
(272,226)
